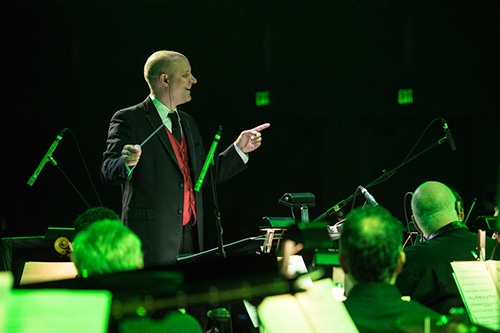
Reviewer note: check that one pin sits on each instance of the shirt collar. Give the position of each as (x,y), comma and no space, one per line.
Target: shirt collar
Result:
(162,109)
(375,290)
(450,226)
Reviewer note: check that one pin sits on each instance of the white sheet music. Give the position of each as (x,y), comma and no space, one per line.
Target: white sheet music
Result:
(58,311)
(315,310)
(478,292)
(36,272)
(494,269)
(6,283)
(252,313)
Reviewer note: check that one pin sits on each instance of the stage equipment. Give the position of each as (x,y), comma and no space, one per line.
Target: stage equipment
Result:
(48,158)
(16,251)
(448,136)
(316,235)
(486,226)
(334,231)
(328,261)
(218,317)
(246,246)
(300,200)
(274,226)
(369,198)
(490,224)
(209,163)
(388,174)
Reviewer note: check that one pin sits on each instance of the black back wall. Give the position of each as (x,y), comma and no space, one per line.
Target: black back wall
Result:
(333,69)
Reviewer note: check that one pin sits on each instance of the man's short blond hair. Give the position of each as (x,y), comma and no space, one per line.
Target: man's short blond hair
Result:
(158,63)
(106,246)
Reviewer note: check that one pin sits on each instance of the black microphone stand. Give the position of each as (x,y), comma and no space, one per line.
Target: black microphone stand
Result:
(220,243)
(209,162)
(54,163)
(385,175)
(50,159)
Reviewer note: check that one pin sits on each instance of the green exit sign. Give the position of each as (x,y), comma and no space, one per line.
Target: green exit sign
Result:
(405,96)
(262,98)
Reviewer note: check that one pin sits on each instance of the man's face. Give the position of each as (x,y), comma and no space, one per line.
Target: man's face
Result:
(180,81)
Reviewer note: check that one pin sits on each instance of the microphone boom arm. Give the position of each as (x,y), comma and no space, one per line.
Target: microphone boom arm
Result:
(382,178)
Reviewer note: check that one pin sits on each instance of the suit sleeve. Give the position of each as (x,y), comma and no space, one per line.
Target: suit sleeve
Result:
(229,164)
(114,171)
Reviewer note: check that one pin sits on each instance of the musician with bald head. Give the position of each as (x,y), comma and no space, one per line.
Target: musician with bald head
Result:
(156,154)
(427,273)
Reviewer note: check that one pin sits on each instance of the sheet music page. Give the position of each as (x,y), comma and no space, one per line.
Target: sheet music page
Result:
(494,269)
(478,292)
(252,313)
(6,283)
(58,311)
(36,272)
(296,265)
(315,310)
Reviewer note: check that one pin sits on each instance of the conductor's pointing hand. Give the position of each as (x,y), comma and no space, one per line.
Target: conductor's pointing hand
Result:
(251,139)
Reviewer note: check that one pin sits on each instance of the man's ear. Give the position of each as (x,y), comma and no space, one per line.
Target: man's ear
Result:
(401,262)
(164,79)
(460,211)
(416,224)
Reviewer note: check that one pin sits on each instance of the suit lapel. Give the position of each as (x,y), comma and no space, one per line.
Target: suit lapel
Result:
(154,120)
(187,133)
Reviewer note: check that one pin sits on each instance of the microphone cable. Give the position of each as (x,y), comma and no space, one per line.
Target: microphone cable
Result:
(84,166)
(420,138)
(388,174)
(407,220)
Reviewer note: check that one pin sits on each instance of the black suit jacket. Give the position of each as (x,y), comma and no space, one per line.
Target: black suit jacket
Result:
(378,307)
(152,200)
(427,274)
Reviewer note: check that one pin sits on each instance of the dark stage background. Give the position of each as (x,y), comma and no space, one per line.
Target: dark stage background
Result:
(333,69)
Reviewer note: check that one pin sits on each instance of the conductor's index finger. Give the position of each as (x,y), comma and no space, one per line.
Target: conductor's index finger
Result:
(261,127)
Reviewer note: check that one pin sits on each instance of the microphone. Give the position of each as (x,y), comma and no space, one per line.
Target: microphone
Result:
(46,158)
(448,136)
(369,198)
(209,160)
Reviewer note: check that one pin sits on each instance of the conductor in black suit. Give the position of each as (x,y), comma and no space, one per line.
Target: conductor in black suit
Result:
(157,177)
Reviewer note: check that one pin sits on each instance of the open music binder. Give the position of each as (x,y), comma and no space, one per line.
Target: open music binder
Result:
(479,286)
(314,310)
(52,310)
